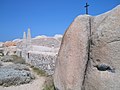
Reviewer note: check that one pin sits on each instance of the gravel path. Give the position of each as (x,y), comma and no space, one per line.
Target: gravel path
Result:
(35,85)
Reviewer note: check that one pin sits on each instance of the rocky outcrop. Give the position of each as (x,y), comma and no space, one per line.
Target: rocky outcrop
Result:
(7,58)
(47,41)
(15,74)
(89,56)
(7,44)
(73,55)
(103,71)
(12,58)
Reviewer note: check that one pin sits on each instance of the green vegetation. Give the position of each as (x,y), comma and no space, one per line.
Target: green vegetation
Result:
(39,71)
(13,58)
(17,59)
(48,85)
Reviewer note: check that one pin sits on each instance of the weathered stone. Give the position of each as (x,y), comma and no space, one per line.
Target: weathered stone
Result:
(29,37)
(15,74)
(90,63)
(44,61)
(13,58)
(9,43)
(73,55)
(105,50)
(17,67)
(7,58)
(24,46)
(10,50)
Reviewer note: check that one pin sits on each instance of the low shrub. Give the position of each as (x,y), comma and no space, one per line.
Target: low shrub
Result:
(39,71)
(49,85)
(17,59)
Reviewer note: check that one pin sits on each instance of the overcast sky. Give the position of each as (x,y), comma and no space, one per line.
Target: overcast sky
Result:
(44,17)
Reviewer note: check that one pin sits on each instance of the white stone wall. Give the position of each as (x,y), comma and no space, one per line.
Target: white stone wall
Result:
(40,52)
(44,61)
(11,50)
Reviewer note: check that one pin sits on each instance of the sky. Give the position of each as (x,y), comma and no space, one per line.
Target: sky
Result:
(45,17)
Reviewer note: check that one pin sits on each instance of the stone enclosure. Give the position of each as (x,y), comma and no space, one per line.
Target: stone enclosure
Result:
(40,52)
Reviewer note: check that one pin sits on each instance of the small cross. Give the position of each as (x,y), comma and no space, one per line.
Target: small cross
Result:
(86,6)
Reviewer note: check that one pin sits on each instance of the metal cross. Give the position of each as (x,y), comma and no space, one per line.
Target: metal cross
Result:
(86,6)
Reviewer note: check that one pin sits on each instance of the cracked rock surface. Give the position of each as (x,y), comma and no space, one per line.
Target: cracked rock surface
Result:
(105,50)
(89,56)
(73,55)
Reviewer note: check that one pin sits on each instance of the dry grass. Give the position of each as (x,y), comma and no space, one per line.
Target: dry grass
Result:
(49,85)
(39,71)
(17,59)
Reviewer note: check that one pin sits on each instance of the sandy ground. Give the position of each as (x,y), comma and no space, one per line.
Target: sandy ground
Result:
(36,84)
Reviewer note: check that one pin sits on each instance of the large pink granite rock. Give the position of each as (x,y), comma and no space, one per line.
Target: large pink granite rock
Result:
(73,55)
(89,57)
(105,53)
